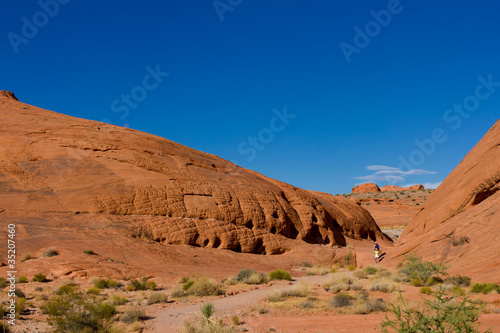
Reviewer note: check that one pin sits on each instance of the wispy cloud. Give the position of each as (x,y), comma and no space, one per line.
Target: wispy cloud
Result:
(391,174)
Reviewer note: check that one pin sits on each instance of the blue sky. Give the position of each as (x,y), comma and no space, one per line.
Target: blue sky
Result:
(323,95)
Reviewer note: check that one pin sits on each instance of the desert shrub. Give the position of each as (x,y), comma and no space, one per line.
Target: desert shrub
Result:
(205,287)
(342,282)
(101,284)
(303,289)
(341,300)
(458,291)
(370,270)
(3,282)
(129,287)
(350,246)
(385,273)
(94,291)
(447,314)
(318,270)
(306,305)
(131,315)
(117,300)
(426,290)
(433,280)
(26,256)
(143,284)
(19,293)
(76,313)
(458,280)
(401,277)
(50,252)
(65,290)
(39,278)
(360,274)
(155,298)
(177,292)
(305,264)
(256,278)
(280,274)
(38,289)
(351,267)
(183,280)
(243,274)
(22,279)
(367,306)
(416,268)
(484,288)
(88,251)
(276,295)
(186,285)
(383,284)
(417,282)
(235,320)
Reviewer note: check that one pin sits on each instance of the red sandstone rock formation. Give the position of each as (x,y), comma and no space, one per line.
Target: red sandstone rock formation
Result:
(160,190)
(459,224)
(366,188)
(394,188)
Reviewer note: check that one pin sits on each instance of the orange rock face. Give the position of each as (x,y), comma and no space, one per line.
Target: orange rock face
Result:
(394,188)
(459,224)
(158,189)
(366,188)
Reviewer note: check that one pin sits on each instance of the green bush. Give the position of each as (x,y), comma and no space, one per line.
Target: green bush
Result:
(187,285)
(447,314)
(280,275)
(94,291)
(244,274)
(351,267)
(370,270)
(19,293)
(39,278)
(250,276)
(74,313)
(50,252)
(88,251)
(305,264)
(426,290)
(117,300)
(144,284)
(484,288)
(416,268)
(22,279)
(177,292)
(3,282)
(65,290)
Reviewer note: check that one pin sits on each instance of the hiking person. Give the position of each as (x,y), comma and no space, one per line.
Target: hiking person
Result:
(376,249)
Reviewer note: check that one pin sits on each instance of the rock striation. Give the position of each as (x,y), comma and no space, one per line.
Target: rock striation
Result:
(161,190)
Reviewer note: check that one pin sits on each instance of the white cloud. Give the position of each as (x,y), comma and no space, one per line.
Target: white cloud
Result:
(392,175)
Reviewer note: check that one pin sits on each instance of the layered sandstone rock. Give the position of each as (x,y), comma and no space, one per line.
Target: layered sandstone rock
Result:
(161,190)
(366,188)
(394,188)
(459,222)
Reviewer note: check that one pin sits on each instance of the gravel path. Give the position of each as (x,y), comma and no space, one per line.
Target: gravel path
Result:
(172,319)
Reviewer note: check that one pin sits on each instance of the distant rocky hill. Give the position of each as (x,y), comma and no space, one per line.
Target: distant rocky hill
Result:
(373,188)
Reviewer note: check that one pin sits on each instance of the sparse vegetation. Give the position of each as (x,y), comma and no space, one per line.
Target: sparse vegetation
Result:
(200,287)
(3,282)
(341,282)
(458,280)
(341,300)
(39,278)
(117,300)
(384,285)
(447,314)
(484,288)
(360,274)
(280,275)
(88,252)
(73,312)
(22,279)
(155,298)
(143,284)
(132,315)
(426,290)
(26,256)
(250,276)
(416,268)
(50,252)
(370,270)
(318,270)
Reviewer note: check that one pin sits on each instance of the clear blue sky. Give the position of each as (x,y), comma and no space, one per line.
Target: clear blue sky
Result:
(227,76)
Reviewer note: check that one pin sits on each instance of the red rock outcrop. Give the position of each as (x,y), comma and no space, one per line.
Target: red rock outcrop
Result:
(160,190)
(366,188)
(459,223)
(394,188)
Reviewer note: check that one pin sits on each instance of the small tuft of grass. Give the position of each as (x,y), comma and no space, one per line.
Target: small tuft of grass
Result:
(39,278)
(88,252)
(26,256)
